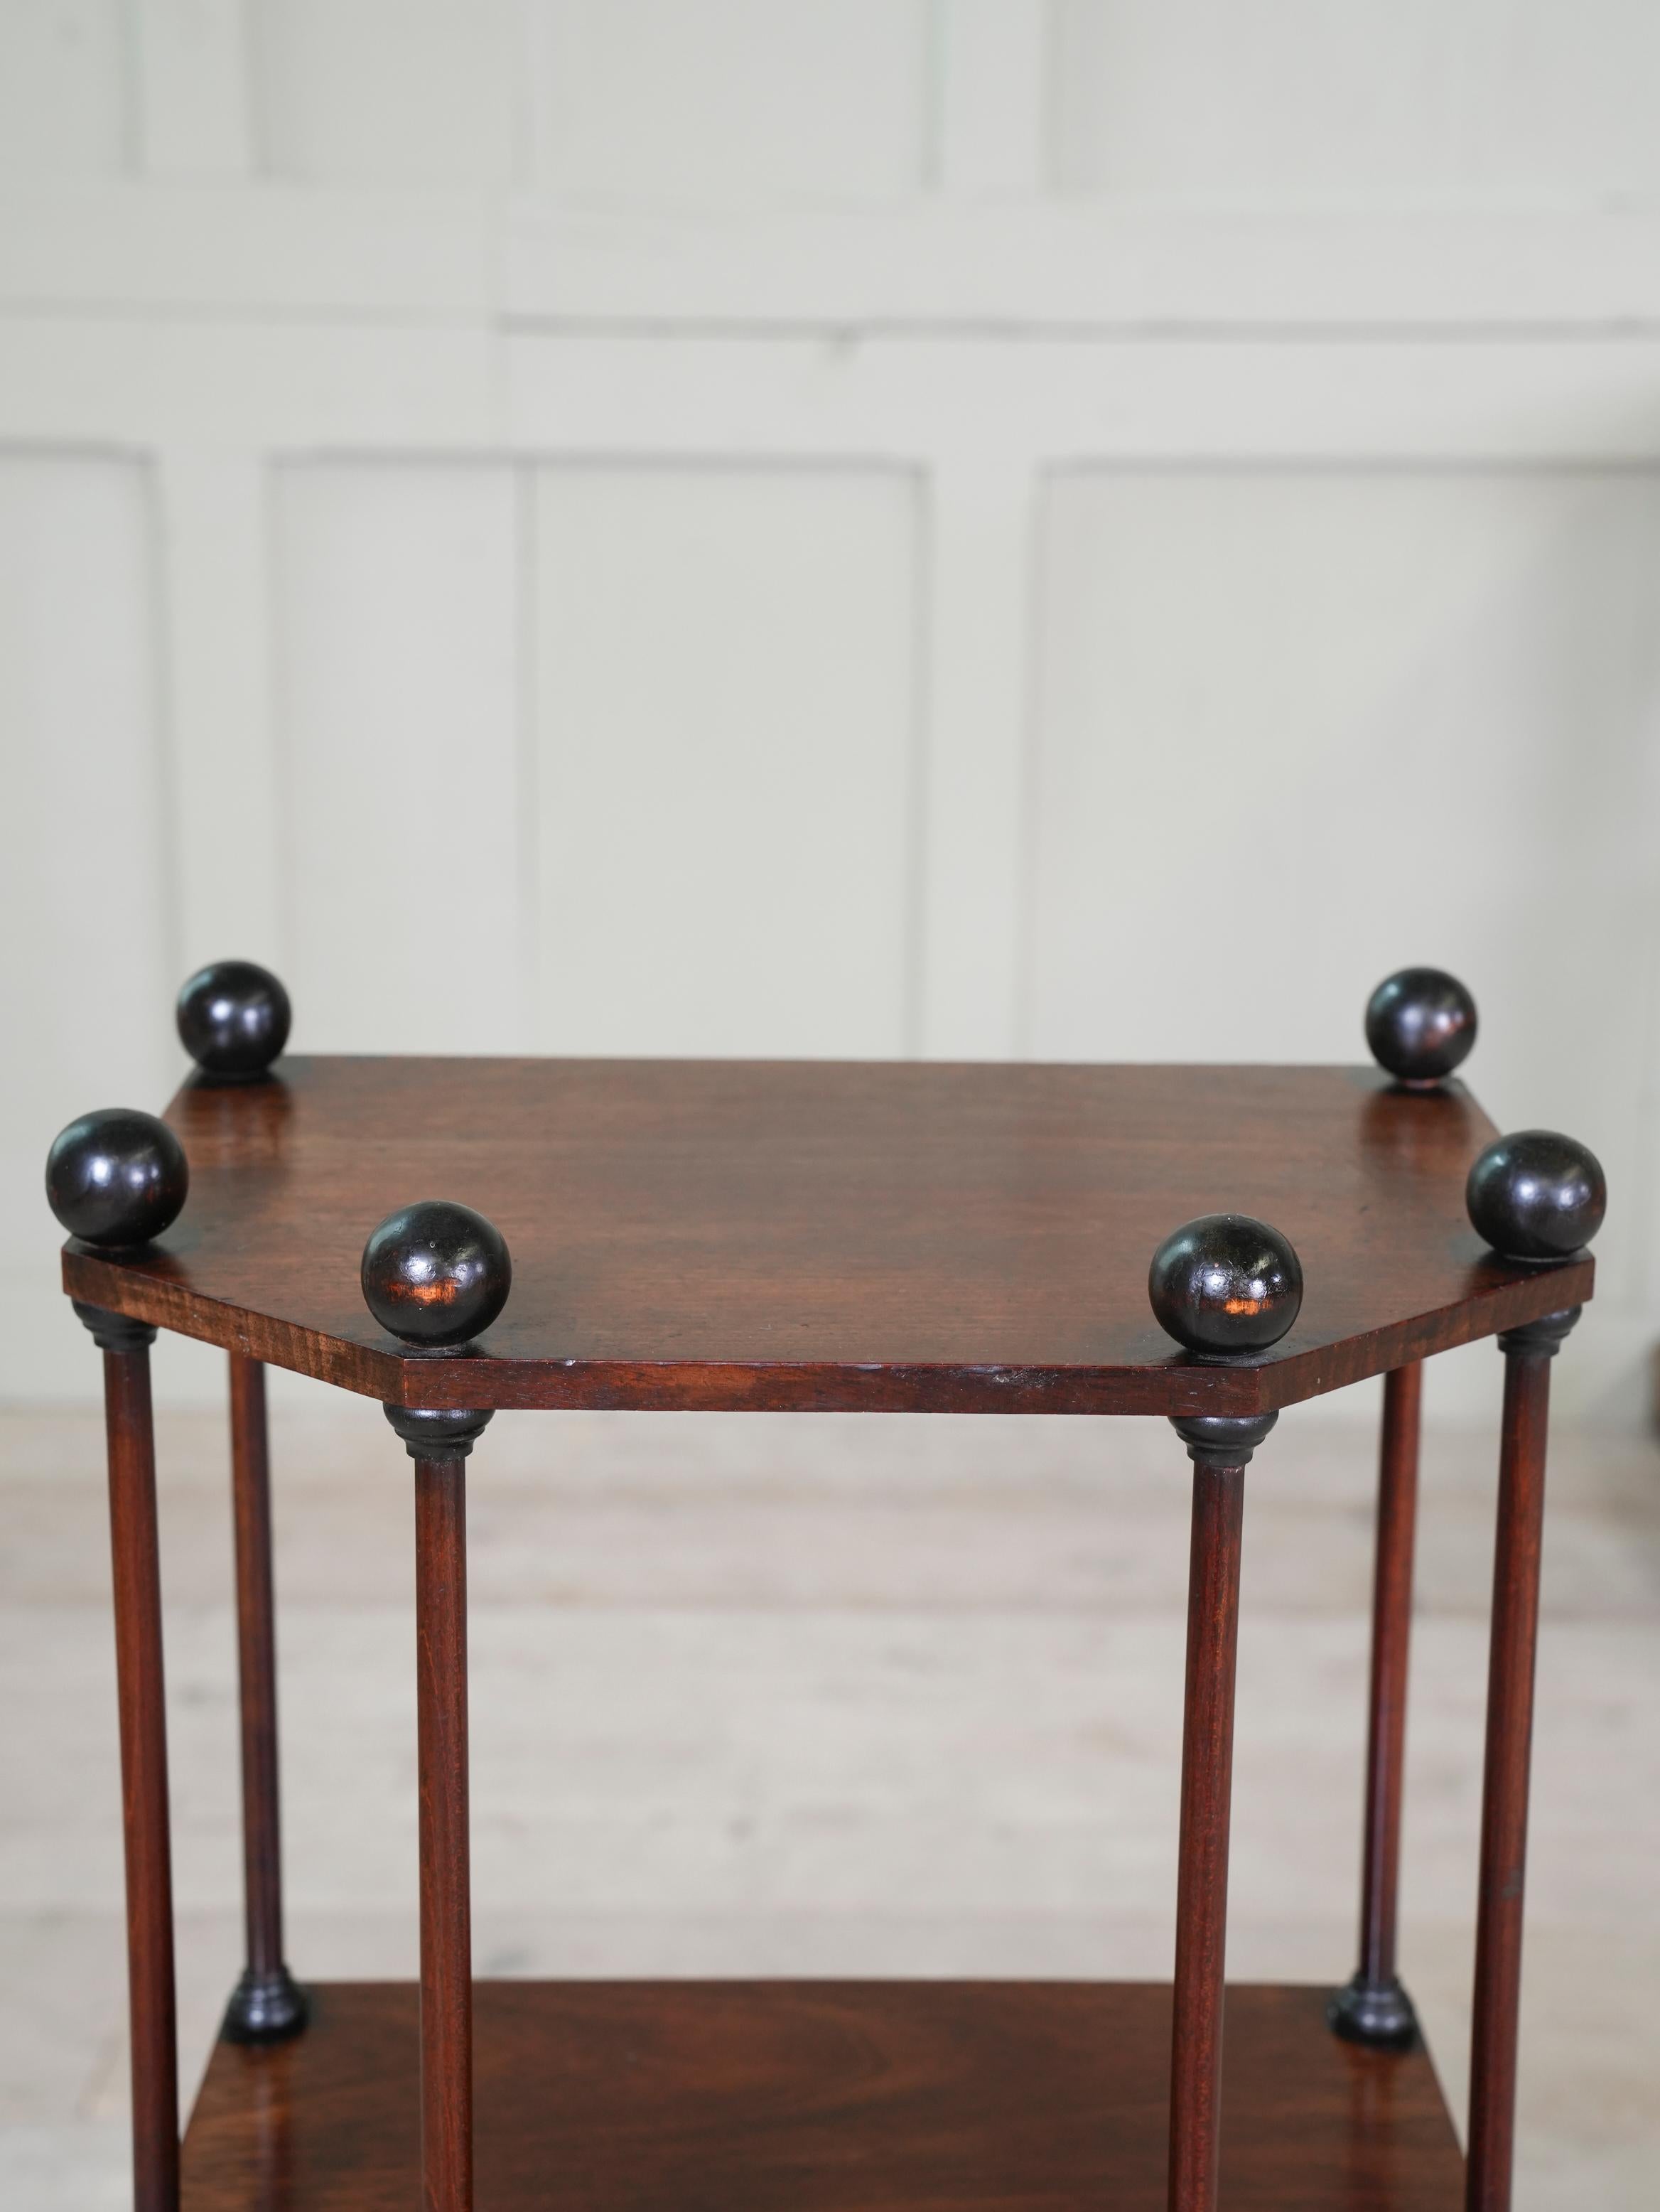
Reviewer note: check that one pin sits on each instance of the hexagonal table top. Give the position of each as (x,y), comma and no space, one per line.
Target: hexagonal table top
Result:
(838,1237)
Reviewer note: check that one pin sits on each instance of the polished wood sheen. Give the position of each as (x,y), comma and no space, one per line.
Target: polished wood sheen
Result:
(1421,1023)
(447,1931)
(1225,1286)
(1391,1645)
(1495,2011)
(435,1274)
(1537,1195)
(233,1020)
(1213,1637)
(831,1236)
(116,1178)
(142,1709)
(256,1627)
(819,2097)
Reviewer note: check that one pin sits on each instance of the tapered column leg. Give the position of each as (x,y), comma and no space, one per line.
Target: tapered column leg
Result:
(435,1274)
(267,2005)
(137,1583)
(438,1445)
(1528,1354)
(1373,2008)
(1220,1450)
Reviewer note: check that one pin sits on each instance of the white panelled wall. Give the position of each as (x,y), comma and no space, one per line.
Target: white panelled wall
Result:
(1080,528)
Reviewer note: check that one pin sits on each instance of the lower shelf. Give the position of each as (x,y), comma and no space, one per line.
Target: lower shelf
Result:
(818,2097)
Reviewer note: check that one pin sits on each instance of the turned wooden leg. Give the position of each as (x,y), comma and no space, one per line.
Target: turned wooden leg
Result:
(1536,1197)
(139,1687)
(1220,1450)
(1528,1354)
(446,1933)
(438,1445)
(435,1273)
(1373,2008)
(267,2005)
(1225,1286)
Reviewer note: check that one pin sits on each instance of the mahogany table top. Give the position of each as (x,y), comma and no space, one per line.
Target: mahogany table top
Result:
(825,1236)
(819,2097)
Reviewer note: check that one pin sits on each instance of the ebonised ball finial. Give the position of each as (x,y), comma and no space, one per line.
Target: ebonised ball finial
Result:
(1225,1284)
(234,1019)
(117,1177)
(436,1274)
(1420,1024)
(1535,1195)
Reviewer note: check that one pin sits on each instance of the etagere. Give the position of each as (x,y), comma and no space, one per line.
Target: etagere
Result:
(1211,1244)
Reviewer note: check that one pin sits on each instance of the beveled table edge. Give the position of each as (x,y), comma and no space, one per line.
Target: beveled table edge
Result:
(1180,1385)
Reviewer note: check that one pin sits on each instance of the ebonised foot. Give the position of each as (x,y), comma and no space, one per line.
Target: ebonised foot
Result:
(265,2008)
(1376,2014)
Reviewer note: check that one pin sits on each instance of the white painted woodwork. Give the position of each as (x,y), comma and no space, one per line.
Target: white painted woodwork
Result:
(65,88)
(991,91)
(1418,100)
(803,494)
(1421,725)
(727,761)
(398,751)
(655,100)
(386,92)
(979,711)
(193,87)
(948,265)
(86,911)
(215,620)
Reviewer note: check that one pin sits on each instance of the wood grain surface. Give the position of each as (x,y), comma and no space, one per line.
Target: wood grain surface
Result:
(1496,2006)
(1391,1649)
(256,1644)
(446,1922)
(152,2008)
(831,1236)
(819,2097)
(1200,1985)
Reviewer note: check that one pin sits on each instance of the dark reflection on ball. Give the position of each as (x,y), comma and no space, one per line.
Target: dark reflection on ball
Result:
(117,1177)
(1420,1024)
(1226,1284)
(234,1019)
(436,1272)
(1537,1195)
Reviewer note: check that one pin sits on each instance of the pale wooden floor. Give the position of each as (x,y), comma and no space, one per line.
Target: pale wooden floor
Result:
(860,1695)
